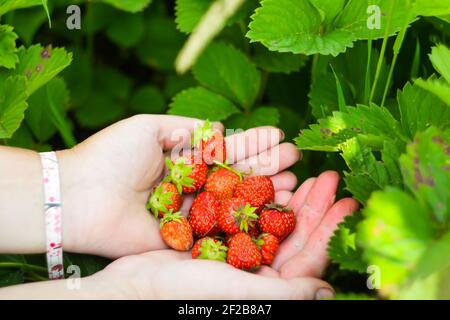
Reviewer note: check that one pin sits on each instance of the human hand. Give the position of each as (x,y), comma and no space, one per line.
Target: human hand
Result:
(106,180)
(300,261)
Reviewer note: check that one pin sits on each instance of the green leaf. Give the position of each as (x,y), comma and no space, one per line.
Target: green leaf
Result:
(112,82)
(438,87)
(98,111)
(148,99)
(88,264)
(342,247)
(350,69)
(27,22)
(226,70)
(203,104)
(8,50)
(373,125)
(394,235)
(278,62)
(311,27)
(189,12)
(126,29)
(426,170)
(261,116)
(12,105)
(129,5)
(420,109)
(353,296)
(432,7)
(39,116)
(9,277)
(175,83)
(440,58)
(39,65)
(160,44)
(9,5)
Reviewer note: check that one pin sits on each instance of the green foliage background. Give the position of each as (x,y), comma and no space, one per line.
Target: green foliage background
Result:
(376,102)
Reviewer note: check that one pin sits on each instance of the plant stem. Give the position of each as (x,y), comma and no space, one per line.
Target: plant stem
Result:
(383,50)
(368,79)
(397,46)
(22,265)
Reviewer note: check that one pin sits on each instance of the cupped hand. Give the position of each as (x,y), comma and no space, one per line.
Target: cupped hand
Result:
(107,179)
(295,273)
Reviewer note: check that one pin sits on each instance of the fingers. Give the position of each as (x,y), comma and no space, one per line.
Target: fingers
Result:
(310,203)
(175,130)
(261,287)
(282,197)
(313,260)
(284,181)
(271,161)
(246,144)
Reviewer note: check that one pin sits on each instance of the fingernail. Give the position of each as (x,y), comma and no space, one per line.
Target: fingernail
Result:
(324,294)
(282,135)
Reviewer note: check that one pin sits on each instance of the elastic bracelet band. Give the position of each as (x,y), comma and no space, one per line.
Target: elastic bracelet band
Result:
(53,218)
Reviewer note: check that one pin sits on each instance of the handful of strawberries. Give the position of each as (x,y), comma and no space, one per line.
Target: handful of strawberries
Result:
(233,218)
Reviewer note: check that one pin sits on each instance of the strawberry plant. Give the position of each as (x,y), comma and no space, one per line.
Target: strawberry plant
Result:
(361,86)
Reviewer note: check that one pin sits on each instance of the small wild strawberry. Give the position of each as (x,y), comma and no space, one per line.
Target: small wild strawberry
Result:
(203,215)
(188,174)
(223,182)
(243,253)
(277,220)
(176,231)
(211,143)
(258,191)
(236,216)
(268,245)
(210,249)
(165,197)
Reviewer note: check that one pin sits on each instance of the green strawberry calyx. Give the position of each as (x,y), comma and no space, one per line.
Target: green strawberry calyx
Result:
(179,174)
(212,250)
(278,207)
(227,167)
(245,216)
(202,133)
(171,216)
(159,200)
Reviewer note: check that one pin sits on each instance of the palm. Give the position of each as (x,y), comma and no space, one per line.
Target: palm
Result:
(122,163)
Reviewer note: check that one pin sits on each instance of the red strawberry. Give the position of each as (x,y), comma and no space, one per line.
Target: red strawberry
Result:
(236,215)
(221,183)
(277,220)
(176,231)
(211,143)
(268,244)
(210,249)
(204,215)
(243,253)
(188,174)
(258,191)
(165,197)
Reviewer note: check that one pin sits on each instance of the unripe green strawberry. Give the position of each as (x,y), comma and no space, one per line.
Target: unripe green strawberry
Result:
(268,245)
(258,191)
(188,174)
(222,183)
(210,249)
(243,253)
(236,216)
(203,215)
(165,197)
(176,231)
(277,220)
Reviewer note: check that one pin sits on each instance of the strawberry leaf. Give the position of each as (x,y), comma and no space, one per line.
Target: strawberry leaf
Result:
(8,50)
(201,103)
(12,105)
(226,70)
(189,12)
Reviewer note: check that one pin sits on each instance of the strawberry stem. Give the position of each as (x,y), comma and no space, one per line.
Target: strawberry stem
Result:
(223,165)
